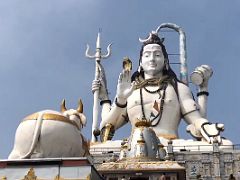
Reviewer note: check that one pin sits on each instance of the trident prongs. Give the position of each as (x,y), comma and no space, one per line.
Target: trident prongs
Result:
(98,56)
(87,53)
(109,51)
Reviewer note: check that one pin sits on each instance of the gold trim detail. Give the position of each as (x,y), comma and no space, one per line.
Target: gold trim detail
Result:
(133,164)
(141,141)
(143,123)
(88,177)
(58,178)
(140,82)
(30,175)
(108,127)
(167,136)
(53,117)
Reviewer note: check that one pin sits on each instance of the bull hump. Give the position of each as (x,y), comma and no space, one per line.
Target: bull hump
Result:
(35,115)
(50,115)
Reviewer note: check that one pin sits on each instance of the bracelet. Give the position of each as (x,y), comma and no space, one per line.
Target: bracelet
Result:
(209,135)
(203,93)
(105,101)
(120,105)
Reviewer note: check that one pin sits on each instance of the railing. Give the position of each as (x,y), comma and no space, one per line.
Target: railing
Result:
(109,150)
(205,147)
(104,150)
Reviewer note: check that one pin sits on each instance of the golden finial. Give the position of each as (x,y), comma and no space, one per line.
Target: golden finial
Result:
(30,175)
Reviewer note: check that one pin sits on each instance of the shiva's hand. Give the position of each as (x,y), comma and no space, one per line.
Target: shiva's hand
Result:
(124,87)
(99,85)
(211,132)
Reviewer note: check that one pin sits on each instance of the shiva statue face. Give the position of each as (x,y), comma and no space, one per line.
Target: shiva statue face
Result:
(152,61)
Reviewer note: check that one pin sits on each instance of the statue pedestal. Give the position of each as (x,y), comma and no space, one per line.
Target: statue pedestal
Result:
(144,170)
(197,157)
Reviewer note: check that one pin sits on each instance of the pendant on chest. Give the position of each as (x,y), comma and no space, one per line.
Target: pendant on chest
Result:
(157,107)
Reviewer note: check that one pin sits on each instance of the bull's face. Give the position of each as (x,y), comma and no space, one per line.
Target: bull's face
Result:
(75,115)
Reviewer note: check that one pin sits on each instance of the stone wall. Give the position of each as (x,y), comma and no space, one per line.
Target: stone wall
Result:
(217,163)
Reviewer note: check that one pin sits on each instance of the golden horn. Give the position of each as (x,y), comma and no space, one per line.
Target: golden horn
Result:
(63,106)
(80,106)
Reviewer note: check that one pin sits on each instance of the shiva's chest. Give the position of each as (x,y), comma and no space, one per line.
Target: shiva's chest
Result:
(149,97)
(154,105)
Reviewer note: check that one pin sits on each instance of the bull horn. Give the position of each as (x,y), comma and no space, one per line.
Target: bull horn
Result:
(80,106)
(63,106)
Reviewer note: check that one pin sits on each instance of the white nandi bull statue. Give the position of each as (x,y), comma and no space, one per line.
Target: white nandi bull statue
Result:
(49,134)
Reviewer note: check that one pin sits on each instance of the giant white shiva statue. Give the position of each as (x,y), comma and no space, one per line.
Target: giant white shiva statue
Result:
(154,94)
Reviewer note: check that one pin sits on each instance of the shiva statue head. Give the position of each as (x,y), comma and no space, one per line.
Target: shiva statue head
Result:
(153,61)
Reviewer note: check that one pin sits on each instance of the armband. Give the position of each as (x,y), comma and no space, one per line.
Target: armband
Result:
(105,101)
(120,105)
(203,93)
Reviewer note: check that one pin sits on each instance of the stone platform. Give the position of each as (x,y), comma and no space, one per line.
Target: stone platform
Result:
(207,161)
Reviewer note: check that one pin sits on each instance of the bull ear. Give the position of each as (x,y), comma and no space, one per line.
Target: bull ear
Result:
(80,106)
(63,106)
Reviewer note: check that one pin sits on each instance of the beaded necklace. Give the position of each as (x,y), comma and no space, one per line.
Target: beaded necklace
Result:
(159,115)
(152,92)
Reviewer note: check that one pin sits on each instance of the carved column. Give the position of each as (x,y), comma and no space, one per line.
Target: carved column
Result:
(216,162)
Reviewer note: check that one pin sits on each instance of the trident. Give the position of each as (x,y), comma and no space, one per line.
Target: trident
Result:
(98,69)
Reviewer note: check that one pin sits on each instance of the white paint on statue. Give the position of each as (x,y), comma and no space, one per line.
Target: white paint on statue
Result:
(51,134)
(159,97)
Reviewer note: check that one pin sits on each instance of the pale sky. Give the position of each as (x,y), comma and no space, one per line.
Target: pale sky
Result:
(42,46)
